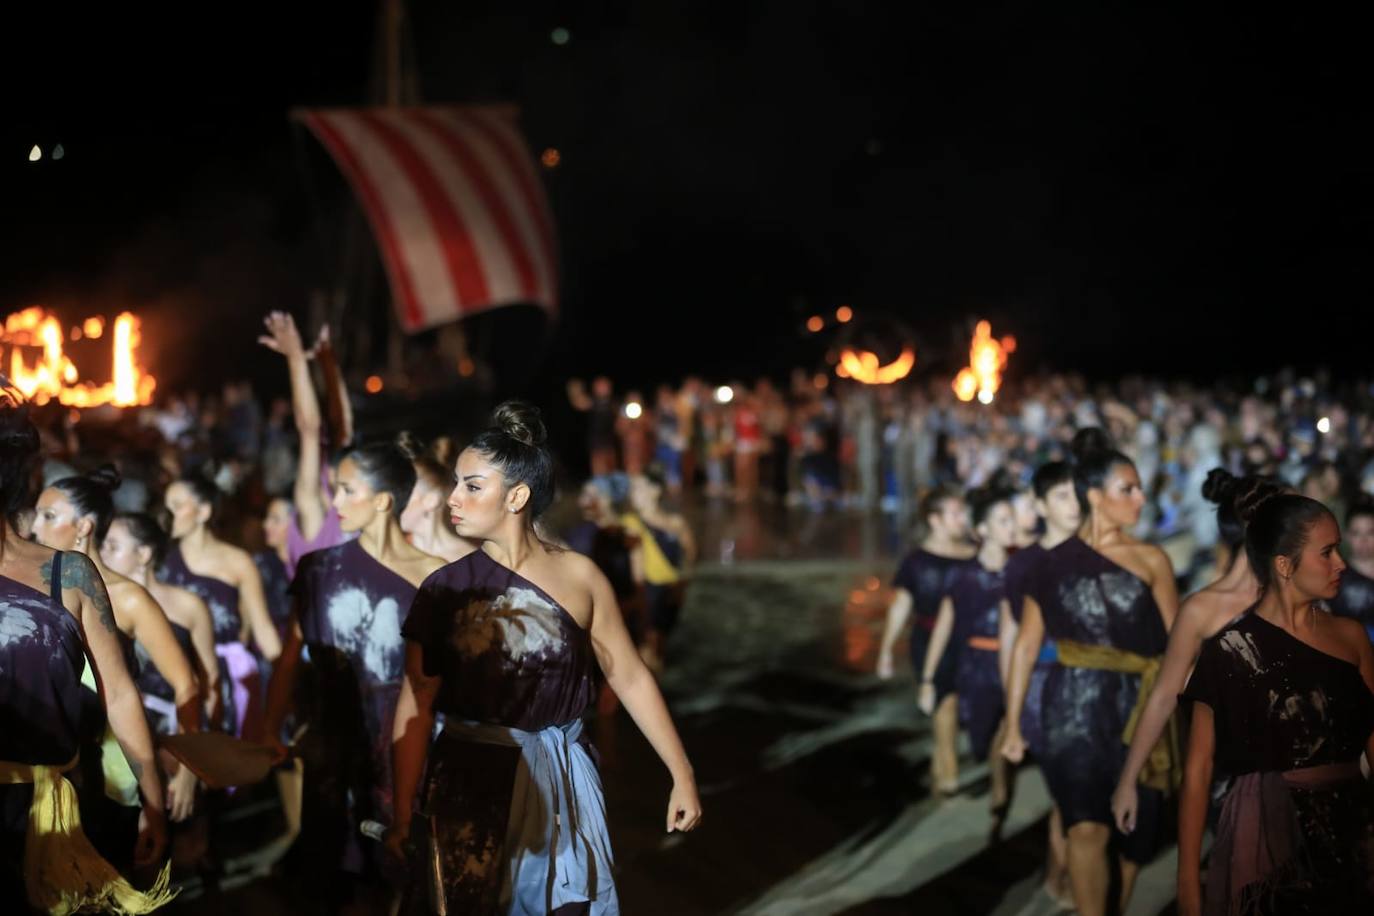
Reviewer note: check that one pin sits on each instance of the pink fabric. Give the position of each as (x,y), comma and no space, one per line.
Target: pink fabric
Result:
(331,534)
(245,682)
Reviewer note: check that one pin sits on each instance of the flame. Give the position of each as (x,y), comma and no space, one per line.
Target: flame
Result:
(986,359)
(863,366)
(54,375)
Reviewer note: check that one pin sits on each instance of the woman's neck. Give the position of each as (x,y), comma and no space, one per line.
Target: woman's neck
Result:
(197,539)
(383,539)
(282,553)
(937,542)
(1098,532)
(513,546)
(1283,606)
(992,556)
(1055,536)
(1239,577)
(144,577)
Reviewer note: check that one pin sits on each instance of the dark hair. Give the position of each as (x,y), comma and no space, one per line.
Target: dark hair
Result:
(1279,528)
(934,501)
(1236,499)
(1362,507)
(202,489)
(388,468)
(1094,456)
(515,443)
(433,462)
(19,446)
(145,530)
(982,500)
(92,494)
(1050,475)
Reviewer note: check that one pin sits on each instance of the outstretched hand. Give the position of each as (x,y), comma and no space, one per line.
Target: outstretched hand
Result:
(282,336)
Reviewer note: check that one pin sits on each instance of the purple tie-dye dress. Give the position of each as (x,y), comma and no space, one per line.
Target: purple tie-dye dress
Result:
(350,608)
(512,661)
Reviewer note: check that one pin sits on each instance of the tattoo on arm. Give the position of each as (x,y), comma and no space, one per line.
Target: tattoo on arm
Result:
(79,572)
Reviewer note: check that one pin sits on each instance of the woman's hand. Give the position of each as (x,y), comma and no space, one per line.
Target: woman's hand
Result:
(925,698)
(152,836)
(396,841)
(1014,746)
(1125,804)
(282,336)
(181,794)
(885,664)
(684,807)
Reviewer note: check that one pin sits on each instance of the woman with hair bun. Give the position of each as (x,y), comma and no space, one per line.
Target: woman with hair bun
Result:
(74,513)
(425,517)
(505,643)
(227,579)
(1283,702)
(1356,597)
(1107,600)
(349,602)
(1200,616)
(54,611)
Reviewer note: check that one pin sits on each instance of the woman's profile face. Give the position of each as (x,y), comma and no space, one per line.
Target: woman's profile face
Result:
(999,527)
(54,520)
(1319,568)
(184,509)
(354,498)
(1360,536)
(120,551)
(276,524)
(477,505)
(1122,497)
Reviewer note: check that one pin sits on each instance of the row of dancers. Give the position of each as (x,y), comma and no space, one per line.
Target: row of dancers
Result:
(1074,649)
(432,682)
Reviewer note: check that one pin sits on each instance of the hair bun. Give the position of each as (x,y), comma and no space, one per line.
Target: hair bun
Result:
(520,421)
(410,445)
(107,477)
(1088,441)
(1259,491)
(1220,486)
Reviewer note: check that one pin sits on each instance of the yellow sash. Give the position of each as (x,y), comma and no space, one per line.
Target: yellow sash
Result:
(1163,769)
(63,872)
(657,569)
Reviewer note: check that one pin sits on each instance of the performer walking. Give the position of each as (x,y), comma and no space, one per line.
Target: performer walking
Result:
(505,644)
(919,586)
(1107,600)
(1282,701)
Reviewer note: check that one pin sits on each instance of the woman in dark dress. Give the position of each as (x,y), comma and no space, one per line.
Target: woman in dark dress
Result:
(1356,597)
(349,603)
(968,619)
(233,593)
(506,643)
(1107,601)
(271,562)
(1282,702)
(918,588)
(52,607)
(1056,503)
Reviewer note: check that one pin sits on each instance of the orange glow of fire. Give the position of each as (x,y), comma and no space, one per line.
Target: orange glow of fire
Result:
(987,358)
(54,376)
(863,366)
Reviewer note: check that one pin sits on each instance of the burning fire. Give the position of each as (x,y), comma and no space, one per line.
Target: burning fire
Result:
(863,366)
(54,375)
(986,359)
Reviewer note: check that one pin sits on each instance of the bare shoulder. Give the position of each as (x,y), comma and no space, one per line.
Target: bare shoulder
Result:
(183,603)
(1351,634)
(232,558)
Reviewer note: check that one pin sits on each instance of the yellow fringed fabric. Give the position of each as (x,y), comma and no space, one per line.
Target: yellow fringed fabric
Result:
(1163,769)
(63,873)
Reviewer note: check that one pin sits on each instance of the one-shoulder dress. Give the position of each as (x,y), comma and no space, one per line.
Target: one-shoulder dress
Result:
(513,816)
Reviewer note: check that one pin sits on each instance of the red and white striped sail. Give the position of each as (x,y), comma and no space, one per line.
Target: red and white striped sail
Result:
(455,203)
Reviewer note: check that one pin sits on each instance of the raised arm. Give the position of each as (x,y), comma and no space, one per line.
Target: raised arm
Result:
(898,612)
(1023,655)
(253,606)
(1185,641)
(335,391)
(935,650)
(627,675)
(283,337)
(84,593)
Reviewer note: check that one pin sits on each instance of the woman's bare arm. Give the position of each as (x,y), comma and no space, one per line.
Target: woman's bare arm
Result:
(1023,655)
(1192,809)
(253,605)
(410,736)
(150,627)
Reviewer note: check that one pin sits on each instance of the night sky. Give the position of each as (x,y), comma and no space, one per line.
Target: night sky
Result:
(1182,193)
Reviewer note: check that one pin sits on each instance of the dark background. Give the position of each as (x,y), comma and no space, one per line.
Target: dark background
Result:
(1181,192)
